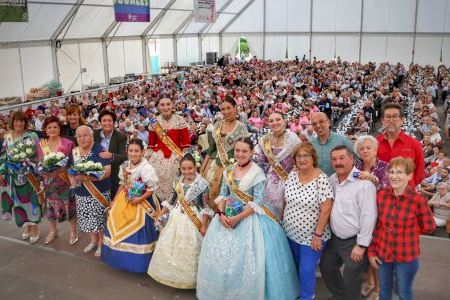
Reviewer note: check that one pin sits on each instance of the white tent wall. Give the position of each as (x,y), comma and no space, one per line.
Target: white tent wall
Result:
(275,47)
(92,59)
(210,43)
(399,49)
(37,66)
(347,47)
(446,50)
(69,67)
(187,50)
(428,50)
(10,73)
(116,59)
(163,48)
(256,44)
(298,45)
(133,56)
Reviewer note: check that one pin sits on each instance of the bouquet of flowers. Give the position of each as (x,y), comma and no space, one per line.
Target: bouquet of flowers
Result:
(89,168)
(22,152)
(53,161)
(136,189)
(233,207)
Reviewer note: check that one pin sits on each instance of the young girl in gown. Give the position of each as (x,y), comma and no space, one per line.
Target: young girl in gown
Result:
(245,255)
(130,237)
(175,259)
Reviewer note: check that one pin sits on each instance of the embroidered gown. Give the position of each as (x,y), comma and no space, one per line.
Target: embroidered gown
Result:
(90,213)
(175,259)
(130,238)
(18,198)
(213,174)
(274,192)
(251,261)
(165,162)
(60,200)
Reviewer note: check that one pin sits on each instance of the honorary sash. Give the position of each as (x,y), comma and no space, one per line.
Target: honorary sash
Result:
(223,156)
(92,189)
(62,173)
(267,142)
(246,197)
(186,207)
(30,176)
(149,210)
(161,132)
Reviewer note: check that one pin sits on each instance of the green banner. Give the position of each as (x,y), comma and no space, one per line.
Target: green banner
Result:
(13,11)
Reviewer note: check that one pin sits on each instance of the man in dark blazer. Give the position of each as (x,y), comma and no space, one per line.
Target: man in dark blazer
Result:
(114,143)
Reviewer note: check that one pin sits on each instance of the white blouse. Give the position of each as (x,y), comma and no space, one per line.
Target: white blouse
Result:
(302,210)
(144,171)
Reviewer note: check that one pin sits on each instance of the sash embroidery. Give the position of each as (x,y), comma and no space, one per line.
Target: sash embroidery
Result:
(267,142)
(246,198)
(149,210)
(161,132)
(186,207)
(62,173)
(223,156)
(92,189)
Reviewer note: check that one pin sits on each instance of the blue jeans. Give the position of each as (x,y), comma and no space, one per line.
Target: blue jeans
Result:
(306,260)
(403,273)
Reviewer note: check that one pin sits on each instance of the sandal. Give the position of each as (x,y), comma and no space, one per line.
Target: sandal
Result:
(51,237)
(73,238)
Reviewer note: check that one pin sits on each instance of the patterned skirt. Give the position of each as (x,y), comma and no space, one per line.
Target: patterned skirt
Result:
(167,171)
(91,215)
(60,203)
(19,201)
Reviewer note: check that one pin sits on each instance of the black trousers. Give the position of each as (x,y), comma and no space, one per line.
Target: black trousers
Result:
(344,285)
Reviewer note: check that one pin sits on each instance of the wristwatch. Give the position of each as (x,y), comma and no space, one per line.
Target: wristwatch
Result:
(361,246)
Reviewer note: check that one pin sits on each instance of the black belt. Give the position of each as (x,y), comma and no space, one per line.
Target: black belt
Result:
(347,239)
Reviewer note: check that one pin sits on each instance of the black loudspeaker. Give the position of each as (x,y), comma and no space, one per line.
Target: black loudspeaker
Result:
(211,58)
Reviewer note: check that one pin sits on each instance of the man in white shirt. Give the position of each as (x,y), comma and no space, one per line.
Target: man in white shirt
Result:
(352,221)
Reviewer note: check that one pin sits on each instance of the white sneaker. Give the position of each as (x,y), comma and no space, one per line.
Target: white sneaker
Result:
(98,252)
(89,247)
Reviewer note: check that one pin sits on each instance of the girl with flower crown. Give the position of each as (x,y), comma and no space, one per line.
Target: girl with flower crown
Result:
(130,238)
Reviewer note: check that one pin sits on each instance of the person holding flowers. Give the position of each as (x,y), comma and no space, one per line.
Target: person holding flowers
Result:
(89,177)
(53,153)
(183,234)
(131,236)
(22,197)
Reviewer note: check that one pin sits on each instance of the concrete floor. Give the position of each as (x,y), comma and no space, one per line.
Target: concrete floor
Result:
(61,271)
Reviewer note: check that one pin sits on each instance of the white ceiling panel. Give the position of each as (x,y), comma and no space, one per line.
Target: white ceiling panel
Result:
(90,22)
(170,22)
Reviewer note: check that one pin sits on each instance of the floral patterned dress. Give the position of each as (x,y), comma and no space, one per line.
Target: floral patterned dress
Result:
(18,198)
(60,200)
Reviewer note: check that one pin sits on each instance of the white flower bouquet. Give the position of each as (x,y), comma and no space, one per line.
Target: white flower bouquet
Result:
(22,152)
(90,168)
(53,161)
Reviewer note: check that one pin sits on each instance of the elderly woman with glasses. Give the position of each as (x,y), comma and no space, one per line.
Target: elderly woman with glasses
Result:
(403,214)
(308,196)
(92,194)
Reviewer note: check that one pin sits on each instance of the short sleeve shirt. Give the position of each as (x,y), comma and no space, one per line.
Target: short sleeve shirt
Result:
(302,210)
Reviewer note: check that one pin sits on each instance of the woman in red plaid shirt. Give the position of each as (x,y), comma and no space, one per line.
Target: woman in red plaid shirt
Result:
(403,214)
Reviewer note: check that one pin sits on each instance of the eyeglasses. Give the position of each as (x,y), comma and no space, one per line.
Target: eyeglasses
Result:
(392,117)
(303,156)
